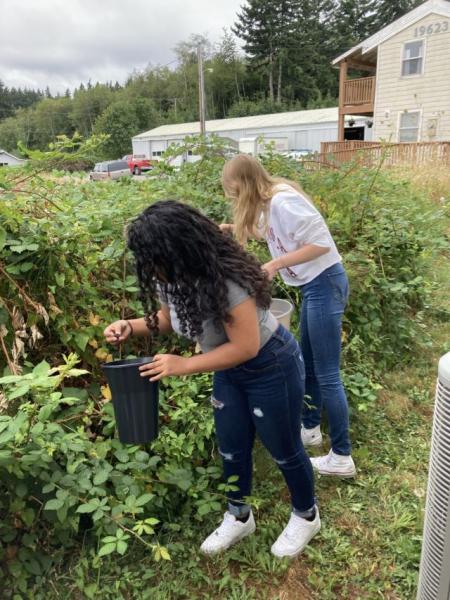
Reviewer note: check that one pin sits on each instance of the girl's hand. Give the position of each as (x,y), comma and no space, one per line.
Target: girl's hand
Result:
(271,268)
(227,227)
(117,332)
(164,365)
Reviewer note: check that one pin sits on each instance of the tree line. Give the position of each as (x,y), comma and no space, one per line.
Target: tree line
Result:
(284,64)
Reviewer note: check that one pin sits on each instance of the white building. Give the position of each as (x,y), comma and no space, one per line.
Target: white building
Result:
(407,88)
(297,130)
(9,160)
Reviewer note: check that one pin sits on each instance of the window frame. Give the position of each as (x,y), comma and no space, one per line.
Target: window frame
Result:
(419,125)
(423,41)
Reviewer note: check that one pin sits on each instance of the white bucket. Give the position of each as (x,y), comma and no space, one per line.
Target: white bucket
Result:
(282,310)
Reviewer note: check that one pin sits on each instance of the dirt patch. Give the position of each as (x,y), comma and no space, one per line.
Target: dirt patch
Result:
(294,587)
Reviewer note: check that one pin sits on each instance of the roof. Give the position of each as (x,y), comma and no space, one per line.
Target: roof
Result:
(440,7)
(11,155)
(298,117)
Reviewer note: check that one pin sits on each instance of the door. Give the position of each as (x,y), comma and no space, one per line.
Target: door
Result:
(354,133)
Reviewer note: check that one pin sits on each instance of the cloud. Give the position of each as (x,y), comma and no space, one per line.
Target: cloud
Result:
(61,43)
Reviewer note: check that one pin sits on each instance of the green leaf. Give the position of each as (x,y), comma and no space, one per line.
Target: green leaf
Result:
(54,504)
(19,391)
(122,455)
(32,566)
(81,340)
(144,499)
(60,279)
(121,547)
(41,369)
(45,412)
(21,490)
(164,553)
(204,509)
(109,539)
(10,379)
(107,549)
(6,436)
(101,477)
(2,238)
(87,508)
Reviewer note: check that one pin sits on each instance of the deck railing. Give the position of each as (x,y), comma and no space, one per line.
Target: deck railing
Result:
(359,91)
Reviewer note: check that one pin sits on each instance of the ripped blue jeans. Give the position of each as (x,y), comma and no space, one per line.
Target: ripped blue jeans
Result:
(264,395)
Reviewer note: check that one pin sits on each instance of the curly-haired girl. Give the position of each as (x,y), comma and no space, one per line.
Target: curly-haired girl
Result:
(200,283)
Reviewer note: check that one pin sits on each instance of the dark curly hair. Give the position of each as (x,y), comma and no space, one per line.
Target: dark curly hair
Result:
(184,254)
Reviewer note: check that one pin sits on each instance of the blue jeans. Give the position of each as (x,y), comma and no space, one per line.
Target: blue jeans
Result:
(323,303)
(264,395)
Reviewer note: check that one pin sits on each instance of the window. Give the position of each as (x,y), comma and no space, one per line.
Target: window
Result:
(117,165)
(412,58)
(408,130)
(157,153)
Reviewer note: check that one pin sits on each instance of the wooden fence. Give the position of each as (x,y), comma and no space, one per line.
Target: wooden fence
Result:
(372,153)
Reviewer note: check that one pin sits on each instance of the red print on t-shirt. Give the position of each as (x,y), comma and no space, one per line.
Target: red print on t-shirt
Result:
(283,250)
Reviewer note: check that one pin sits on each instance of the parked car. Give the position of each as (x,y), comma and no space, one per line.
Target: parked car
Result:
(110,169)
(297,153)
(138,163)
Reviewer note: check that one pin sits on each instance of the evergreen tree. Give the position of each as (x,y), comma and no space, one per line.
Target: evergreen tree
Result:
(354,21)
(388,11)
(309,70)
(266,26)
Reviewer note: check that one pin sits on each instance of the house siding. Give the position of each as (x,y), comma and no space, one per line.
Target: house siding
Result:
(428,93)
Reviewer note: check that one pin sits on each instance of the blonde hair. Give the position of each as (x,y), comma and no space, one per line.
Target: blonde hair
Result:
(250,188)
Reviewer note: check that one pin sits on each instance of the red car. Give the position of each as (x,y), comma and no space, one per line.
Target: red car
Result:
(138,163)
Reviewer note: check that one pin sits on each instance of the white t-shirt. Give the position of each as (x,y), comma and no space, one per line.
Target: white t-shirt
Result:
(294,222)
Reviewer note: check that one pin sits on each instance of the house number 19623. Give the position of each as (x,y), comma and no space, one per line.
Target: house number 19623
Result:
(441,27)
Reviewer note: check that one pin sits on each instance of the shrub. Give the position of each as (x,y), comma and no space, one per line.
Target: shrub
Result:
(65,273)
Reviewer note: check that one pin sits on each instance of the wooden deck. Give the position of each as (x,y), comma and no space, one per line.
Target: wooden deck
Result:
(359,95)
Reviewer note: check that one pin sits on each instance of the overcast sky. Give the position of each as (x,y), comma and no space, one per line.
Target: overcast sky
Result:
(61,43)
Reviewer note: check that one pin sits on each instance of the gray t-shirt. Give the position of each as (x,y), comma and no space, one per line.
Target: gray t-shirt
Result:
(213,336)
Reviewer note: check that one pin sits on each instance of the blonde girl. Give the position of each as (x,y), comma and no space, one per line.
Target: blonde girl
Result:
(305,256)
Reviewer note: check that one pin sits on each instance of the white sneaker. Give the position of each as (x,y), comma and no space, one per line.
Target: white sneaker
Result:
(296,535)
(228,533)
(334,464)
(311,437)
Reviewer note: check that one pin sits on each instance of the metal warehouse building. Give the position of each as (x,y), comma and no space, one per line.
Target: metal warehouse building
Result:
(301,130)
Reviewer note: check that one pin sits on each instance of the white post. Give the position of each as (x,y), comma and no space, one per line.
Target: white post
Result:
(201,91)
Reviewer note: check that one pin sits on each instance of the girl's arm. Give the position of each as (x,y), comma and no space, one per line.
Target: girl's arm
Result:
(296,257)
(121,330)
(243,344)
(227,227)
(140,328)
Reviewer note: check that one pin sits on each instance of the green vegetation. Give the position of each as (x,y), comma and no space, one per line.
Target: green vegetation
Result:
(82,516)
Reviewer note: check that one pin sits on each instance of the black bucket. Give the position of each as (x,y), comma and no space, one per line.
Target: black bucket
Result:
(135,400)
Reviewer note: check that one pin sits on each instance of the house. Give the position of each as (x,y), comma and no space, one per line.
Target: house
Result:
(405,89)
(9,160)
(296,130)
